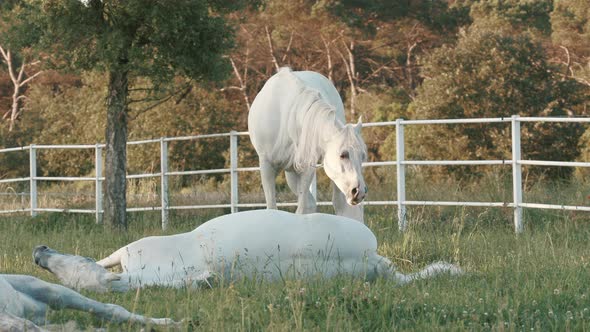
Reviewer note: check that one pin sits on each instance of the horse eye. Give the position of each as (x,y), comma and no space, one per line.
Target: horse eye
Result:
(344,155)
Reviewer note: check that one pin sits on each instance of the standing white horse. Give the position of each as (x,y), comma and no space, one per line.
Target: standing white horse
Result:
(296,120)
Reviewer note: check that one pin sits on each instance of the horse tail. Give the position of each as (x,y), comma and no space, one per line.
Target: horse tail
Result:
(113,259)
(429,271)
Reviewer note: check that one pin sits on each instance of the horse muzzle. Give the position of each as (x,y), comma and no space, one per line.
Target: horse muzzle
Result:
(357,195)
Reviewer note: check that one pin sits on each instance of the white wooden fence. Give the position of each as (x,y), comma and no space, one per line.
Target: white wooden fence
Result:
(401,163)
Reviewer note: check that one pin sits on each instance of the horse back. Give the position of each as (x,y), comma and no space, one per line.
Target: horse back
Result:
(325,87)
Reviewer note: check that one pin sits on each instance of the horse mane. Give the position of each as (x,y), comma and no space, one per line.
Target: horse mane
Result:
(311,120)
(318,123)
(309,117)
(318,118)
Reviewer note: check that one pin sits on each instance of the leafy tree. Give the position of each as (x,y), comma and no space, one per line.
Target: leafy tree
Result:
(324,36)
(391,34)
(495,73)
(20,78)
(20,71)
(127,40)
(370,14)
(517,14)
(13,164)
(66,113)
(570,23)
(199,111)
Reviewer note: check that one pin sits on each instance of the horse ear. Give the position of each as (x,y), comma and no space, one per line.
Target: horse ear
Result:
(359,125)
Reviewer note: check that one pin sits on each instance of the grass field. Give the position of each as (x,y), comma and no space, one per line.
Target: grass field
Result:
(539,280)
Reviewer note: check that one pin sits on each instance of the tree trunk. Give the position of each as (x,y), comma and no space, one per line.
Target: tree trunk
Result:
(14,109)
(115,203)
(351,73)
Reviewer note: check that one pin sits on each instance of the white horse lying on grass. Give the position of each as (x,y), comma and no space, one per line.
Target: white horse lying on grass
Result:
(24,301)
(261,244)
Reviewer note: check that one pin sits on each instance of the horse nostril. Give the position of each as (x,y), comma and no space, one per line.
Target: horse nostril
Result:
(355,192)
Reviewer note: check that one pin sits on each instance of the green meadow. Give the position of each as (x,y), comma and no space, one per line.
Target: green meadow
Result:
(535,281)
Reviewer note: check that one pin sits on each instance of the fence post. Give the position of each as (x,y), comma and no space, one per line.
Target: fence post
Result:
(233,152)
(164,195)
(98,183)
(401,175)
(33,177)
(516,175)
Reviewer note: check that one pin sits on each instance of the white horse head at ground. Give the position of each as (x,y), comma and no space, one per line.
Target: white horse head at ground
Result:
(296,120)
(261,244)
(87,274)
(25,300)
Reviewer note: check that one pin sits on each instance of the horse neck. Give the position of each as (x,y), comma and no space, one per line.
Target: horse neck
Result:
(318,127)
(324,124)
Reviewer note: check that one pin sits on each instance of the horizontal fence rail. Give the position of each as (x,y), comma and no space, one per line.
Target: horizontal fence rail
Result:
(234,205)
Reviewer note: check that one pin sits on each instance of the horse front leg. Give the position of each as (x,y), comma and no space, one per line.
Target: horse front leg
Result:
(268,175)
(299,184)
(342,208)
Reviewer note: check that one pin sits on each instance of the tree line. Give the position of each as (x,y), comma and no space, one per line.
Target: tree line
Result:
(108,71)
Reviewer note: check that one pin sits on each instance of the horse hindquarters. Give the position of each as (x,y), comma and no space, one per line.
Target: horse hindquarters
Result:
(266,117)
(264,125)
